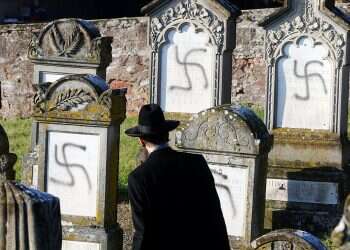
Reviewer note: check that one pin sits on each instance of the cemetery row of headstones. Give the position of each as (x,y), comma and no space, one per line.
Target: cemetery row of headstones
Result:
(75,135)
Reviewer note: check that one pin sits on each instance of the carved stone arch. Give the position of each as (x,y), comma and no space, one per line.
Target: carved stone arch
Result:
(295,37)
(177,25)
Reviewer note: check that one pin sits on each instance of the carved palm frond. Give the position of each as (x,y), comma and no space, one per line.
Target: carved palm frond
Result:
(71,98)
(56,39)
(73,42)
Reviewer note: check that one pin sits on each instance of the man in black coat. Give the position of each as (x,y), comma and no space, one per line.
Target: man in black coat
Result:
(173,198)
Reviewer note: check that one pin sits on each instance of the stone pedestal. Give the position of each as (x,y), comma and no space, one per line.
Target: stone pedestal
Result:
(306,111)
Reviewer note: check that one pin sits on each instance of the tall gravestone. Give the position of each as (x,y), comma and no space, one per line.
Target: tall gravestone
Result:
(307,55)
(69,46)
(191,53)
(77,147)
(235,143)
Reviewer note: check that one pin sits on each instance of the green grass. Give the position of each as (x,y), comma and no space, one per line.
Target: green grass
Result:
(129,148)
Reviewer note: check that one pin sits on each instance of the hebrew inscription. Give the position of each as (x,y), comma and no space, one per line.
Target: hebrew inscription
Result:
(73,171)
(304,85)
(187,70)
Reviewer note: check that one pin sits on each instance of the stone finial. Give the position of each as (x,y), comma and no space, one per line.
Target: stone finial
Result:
(341,234)
(72,41)
(7,160)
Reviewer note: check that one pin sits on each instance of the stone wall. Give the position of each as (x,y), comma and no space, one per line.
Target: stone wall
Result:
(129,67)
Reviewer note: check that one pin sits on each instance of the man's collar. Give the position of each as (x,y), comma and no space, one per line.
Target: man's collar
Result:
(158,147)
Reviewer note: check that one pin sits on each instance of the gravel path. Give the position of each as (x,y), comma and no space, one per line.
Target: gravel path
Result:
(125,222)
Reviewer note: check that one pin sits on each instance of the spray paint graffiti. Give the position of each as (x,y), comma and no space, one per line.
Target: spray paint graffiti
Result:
(186,64)
(65,164)
(307,77)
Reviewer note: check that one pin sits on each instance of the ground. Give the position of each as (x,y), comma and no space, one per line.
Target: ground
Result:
(125,222)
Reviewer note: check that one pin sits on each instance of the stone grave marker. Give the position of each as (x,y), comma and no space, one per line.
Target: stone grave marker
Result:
(306,111)
(69,46)
(77,148)
(235,143)
(191,53)
(287,239)
(29,219)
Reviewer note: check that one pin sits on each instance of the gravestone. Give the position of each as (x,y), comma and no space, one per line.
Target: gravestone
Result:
(29,219)
(77,152)
(191,53)
(288,239)
(235,143)
(69,46)
(306,111)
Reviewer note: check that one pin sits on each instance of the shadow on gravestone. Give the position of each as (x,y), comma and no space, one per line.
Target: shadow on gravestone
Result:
(29,219)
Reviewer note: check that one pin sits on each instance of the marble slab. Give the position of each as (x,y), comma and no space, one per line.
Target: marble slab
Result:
(231,185)
(50,76)
(79,245)
(187,67)
(302,191)
(72,174)
(304,85)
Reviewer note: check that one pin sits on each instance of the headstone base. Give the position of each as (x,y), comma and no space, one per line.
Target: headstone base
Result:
(88,238)
(316,222)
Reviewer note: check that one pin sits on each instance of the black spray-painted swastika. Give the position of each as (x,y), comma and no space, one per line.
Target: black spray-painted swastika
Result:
(306,76)
(65,164)
(186,64)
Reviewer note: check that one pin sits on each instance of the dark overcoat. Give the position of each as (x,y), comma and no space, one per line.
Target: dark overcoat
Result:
(175,205)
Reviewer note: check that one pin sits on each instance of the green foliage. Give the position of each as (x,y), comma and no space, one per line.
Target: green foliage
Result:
(128,151)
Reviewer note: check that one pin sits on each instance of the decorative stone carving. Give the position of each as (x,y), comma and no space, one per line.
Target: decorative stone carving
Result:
(29,219)
(235,143)
(288,239)
(70,98)
(71,40)
(225,129)
(189,10)
(317,27)
(180,33)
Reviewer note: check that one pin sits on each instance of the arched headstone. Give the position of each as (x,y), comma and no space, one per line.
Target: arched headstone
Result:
(235,143)
(191,61)
(77,146)
(69,46)
(307,45)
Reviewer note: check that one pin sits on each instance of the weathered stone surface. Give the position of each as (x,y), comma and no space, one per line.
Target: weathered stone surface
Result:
(130,61)
(76,153)
(288,239)
(29,219)
(235,143)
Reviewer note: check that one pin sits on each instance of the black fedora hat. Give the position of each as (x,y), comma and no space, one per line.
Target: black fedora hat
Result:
(151,122)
